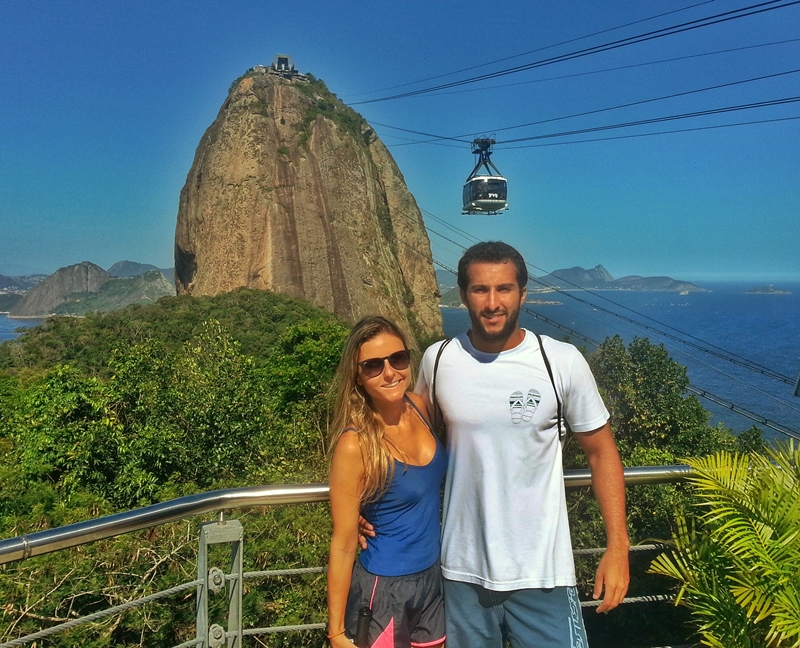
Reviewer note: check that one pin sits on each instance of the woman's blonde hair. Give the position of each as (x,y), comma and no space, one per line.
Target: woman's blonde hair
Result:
(353,408)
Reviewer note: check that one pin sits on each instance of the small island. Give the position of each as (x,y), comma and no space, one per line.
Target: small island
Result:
(767,290)
(577,278)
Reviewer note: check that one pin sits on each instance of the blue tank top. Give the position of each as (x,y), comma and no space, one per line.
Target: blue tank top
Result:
(406,517)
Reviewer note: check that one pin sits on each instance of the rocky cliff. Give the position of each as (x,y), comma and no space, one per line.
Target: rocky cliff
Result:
(570,277)
(118,293)
(127,269)
(292,191)
(45,296)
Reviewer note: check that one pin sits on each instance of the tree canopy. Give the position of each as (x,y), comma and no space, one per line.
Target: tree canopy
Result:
(130,408)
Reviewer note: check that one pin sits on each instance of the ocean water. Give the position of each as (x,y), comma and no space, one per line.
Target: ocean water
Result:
(8,326)
(764,329)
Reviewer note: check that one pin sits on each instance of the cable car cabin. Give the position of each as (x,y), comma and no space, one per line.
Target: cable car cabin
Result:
(485,195)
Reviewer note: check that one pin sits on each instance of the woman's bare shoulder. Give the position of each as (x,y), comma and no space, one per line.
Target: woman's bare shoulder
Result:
(419,401)
(348,444)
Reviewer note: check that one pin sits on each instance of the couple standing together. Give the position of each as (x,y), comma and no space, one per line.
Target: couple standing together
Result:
(507,397)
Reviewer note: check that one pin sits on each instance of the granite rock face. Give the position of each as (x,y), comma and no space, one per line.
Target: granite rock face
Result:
(291,191)
(44,297)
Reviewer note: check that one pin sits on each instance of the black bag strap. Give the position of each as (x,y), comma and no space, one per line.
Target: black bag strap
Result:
(562,427)
(438,423)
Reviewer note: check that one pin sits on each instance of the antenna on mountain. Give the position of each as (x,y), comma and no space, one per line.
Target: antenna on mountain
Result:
(283,66)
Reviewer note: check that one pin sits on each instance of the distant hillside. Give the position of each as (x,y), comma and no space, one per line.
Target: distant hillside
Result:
(47,295)
(8,301)
(255,318)
(20,285)
(577,276)
(598,278)
(452,298)
(666,284)
(83,288)
(130,269)
(117,293)
(767,290)
(134,269)
(446,280)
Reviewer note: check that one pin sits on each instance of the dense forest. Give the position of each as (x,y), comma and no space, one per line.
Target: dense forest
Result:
(119,410)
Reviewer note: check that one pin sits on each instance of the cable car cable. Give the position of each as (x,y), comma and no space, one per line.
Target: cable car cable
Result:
(666,132)
(646,101)
(700,392)
(782,429)
(540,49)
(415,132)
(726,355)
(759,368)
(599,48)
(620,67)
(737,360)
(632,40)
(735,379)
(459,138)
(659,120)
(743,412)
(616,137)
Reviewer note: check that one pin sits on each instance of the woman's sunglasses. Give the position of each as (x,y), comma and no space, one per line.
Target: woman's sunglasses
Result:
(372,367)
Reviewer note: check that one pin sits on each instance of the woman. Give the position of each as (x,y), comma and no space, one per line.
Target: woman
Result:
(387,463)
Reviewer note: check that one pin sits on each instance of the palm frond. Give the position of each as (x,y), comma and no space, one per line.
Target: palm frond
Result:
(738,561)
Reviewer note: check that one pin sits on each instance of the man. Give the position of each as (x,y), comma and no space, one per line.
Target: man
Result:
(506,552)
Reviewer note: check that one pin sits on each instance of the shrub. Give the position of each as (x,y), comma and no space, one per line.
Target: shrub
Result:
(738,574)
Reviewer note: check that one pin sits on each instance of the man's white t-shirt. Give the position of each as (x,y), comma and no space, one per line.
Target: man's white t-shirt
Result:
(504,524)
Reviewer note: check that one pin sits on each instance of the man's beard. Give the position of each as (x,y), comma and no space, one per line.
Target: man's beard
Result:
(499,336)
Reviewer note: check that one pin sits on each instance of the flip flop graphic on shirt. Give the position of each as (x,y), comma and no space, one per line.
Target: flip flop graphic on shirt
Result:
(531,403)
(516,405)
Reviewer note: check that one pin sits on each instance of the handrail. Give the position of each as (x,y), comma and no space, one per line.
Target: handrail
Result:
(634,476)
(73,535)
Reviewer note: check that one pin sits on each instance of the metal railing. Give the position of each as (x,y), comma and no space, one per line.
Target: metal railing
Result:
(73,535)
(222,532)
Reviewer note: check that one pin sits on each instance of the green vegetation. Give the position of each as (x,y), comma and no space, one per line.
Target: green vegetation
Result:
(262,108)
(7,302)
(738,574)
(123,409)
(327,104)
(167,404)
(118,293)
(283,150)
(655,423)
(253,318)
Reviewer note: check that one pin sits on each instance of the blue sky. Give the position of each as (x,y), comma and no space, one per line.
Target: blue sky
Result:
(104,103)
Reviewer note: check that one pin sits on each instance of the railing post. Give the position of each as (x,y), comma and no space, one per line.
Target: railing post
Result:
(201,622)
(213,580)
(235,592)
